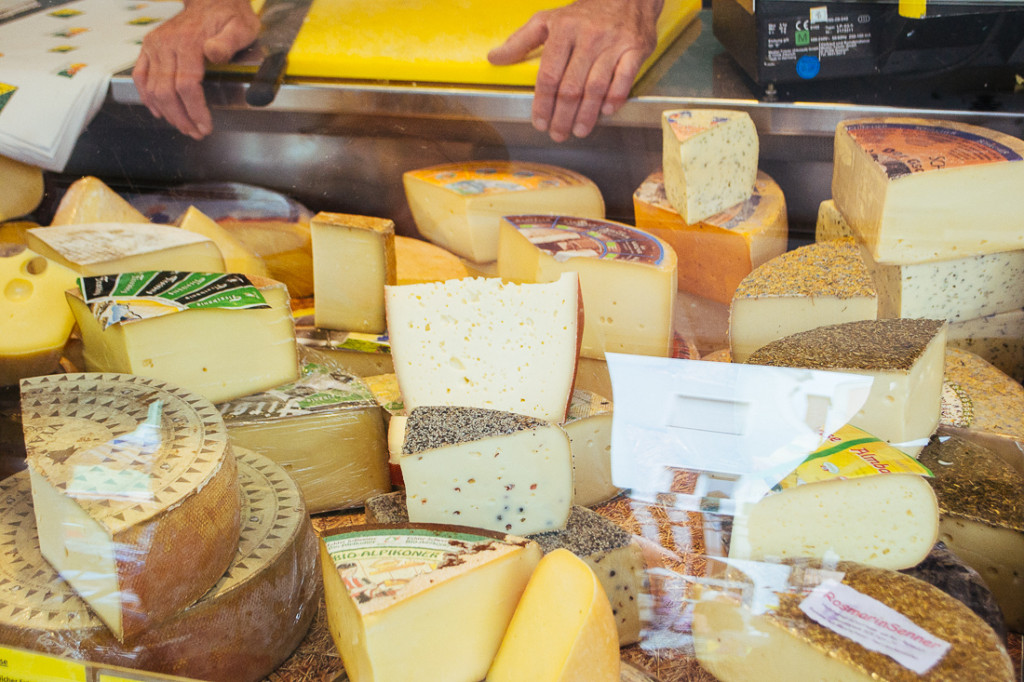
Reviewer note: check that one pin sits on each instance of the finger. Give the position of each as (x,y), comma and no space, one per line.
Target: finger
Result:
(570,94)
(550,79)
(140,76)
(234,36)
(622,82)
(520,44)
(166,97)
(598,81)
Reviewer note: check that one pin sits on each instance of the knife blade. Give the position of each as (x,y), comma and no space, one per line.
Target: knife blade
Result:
(280,21)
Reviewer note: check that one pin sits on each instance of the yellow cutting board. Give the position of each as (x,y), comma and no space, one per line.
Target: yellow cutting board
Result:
(432,40)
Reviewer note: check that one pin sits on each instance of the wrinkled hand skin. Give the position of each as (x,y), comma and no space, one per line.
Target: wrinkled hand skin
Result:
(169,72)
(593,50)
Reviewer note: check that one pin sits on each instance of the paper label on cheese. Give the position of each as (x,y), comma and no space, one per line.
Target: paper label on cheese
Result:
(565,238)
(133,296)
(319,390)
(652,191)
(907,148)
(874,626)
(685,126)
(24,666)
(489,179)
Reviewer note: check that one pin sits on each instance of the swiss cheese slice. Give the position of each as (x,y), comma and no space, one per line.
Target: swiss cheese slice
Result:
(445,593)
(237,256)
(627,276)
(716,253)
(90,200)
(135,491)
(460,205)
(21,188)
(243,628)
(485,343)
(917,190)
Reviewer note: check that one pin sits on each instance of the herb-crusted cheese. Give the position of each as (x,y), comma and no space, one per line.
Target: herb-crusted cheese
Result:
(998,338)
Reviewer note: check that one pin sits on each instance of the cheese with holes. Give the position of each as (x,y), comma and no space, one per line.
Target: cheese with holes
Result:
(485,343)
(353,259)
(627,276)
(34,316)
(219,353)
(446,593)
(810,286)
(981,499)
(459,206)
(110,248)
(237,256)
(563,628)
(716,253)
(735,641)
(709,160)
(132,479)
(418,261)
(904,357)
(917,190)
(241,630)
(21,188)
(589,427)
(90,200)
(830,223)
(325,430)
(998,338)
(487,469)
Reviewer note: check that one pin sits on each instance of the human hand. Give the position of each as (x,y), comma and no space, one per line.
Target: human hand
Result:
(593,50)
(169,72)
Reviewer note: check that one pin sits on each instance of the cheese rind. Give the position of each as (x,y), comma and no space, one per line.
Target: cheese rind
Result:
(709,160)
(716,253)
(353,259)
(459,206)
(22,188)
(917,190)
(589,427)
(485,343)
(90,200)
(132,478)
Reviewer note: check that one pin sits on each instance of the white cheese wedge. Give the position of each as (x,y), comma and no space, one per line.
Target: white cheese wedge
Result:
(353,259)
(563,628)
(459,206)
(237,256)
(485,343)
(709,159)
(589,427)
(325,430)
(35,318)
(889,521)
(446,593)
(735,642)
(998,338)
(905,357)
(487,469)
(627,276)
(810,286)
(242,629)
(917,190)
(716,253)
(132,482)
(22,188)
(830,223)
(981,499)
(219,353)
(90,200)
(418,261)
(111,248)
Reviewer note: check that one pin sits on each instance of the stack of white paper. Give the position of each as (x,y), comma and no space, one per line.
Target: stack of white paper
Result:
(55,67)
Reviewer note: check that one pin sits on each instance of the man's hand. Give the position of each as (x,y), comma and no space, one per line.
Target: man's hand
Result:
(593,50)
(171,65)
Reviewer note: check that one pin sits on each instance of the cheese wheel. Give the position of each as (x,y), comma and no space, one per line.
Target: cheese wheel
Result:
(22,188)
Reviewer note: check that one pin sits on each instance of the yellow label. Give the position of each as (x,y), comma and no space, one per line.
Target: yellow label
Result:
(24,666)
(498,177)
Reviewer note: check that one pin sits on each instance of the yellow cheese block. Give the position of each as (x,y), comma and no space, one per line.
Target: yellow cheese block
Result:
(90,200)
(419,261)
(237,256)
(563,629)
(34,316)
(21,188)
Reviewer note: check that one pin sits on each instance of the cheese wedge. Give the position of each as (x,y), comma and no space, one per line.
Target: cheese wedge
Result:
(709,159)
(716,253)
(219,353)
(237,256)
(810,286)
(242,629)
(917,190)
(830,223)
(484,343)
(132,482)
(35,318)
(446,593)
(563,628)
(981,499)
(589,427)
(418,261)
(905,358)
(628,277)
(486,468)
(111,248)
(22,188)
(998,338)
(90,200)
(736,642)
(284,245)
(459,206)
(353,259)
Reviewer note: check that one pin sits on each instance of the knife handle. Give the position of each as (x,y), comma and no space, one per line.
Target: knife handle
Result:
(267,80)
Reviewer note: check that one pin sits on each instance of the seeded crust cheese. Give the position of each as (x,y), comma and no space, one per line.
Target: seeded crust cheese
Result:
(135,491)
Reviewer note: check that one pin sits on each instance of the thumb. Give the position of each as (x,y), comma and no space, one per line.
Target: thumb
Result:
(520,44)
(225,43)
